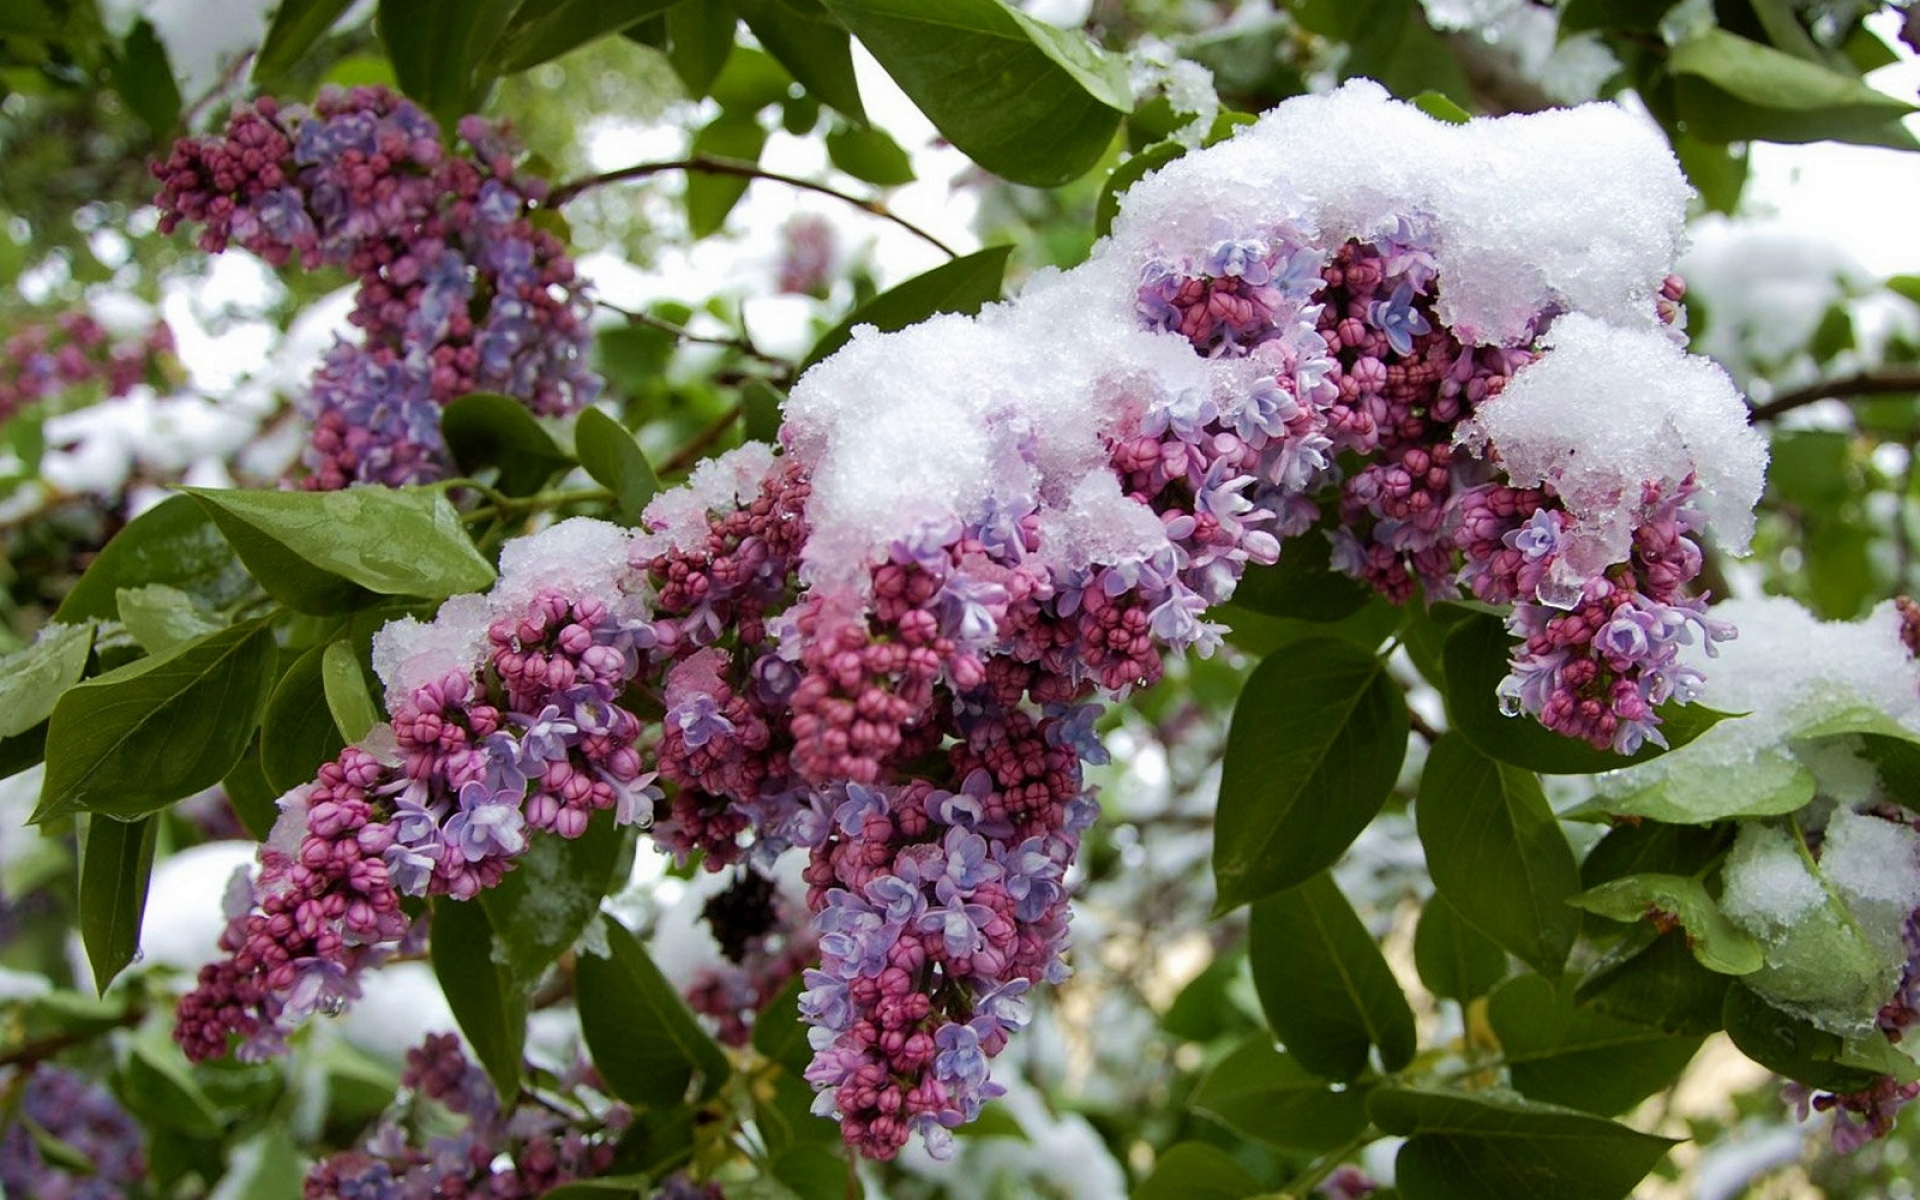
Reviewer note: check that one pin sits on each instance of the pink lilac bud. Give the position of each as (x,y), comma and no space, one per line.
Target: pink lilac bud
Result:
(470,781)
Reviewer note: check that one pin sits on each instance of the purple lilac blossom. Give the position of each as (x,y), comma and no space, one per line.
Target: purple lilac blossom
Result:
(457,291)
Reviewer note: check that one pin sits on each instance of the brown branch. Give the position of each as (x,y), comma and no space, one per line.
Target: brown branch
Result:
(1885,381)
(43,1048)
(697,445)
(229,78)
(712,165)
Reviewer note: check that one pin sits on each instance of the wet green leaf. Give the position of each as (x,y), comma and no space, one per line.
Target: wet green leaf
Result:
(1497,853)
(137,739)
(1315,746)
(115,865)
(1327,991)
(1027,101)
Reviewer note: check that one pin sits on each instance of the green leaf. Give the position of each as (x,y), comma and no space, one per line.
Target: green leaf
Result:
(866,152)
(1124,176)
(541,32)
(1498,854)
(297,25)
(161,617)
(297,732)
(345,683)
(760,404)
(699,39)
(1560,1054)
(644,1040)
(175,542)
(1262,635)
(965,285)
(435,45)
(1475,661)
(23,750)
(393,541)
(1303,584)
(1773,784)
(1898,761)
(255,801)
(1262,1093)
(811,46)
(1639,846)
(1196,1171)
(32,680)
(779,1033)
(266,1166)
(1389,41)
(486,429)
(137,739)
(1473,1148)
(1327,991)
(1290,805)
(1656,981)
(751,81)
(1454,959)
(1029,102)
(69,1014)
(144,78)
(737,137)
(484,996)
(1731,89)
(1864,49)
(1717,171)
(1208,1009)
(56,1152)
(814,1172)
(616,462)
(27,18)
(158,1086)
(1440,108)
(541,906)
(1789,1045)
(1718,943)
(115,865)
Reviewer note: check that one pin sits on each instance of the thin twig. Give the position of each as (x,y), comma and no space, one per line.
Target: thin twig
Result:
(228,78)
(712,165)
(743,343)
(1419,725)
(690,453)
(40,1049)
(1884,381)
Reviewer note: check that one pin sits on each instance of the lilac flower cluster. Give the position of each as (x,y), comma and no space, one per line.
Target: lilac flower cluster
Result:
(440,802)
(1376,375)
(909,693)
(457,290)
(73,350)
(71,1109)
(496,1154)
